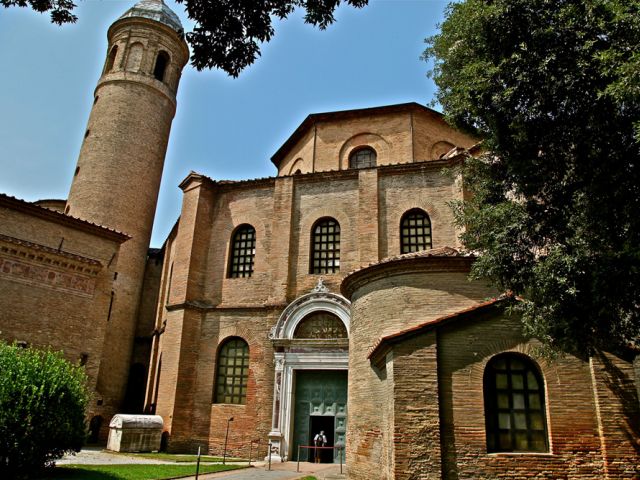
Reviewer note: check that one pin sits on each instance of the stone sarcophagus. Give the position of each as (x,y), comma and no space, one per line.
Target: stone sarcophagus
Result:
(135,433)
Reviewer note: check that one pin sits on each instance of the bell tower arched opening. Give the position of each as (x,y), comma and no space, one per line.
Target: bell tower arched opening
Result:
(162,62)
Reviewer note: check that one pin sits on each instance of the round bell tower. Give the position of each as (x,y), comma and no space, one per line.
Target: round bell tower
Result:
(117,178)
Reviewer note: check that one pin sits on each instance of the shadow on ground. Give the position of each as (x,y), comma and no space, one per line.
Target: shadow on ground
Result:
(79,474)
(130,472)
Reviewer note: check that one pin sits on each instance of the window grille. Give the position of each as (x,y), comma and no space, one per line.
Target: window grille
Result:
(415,231)
(363,158)
(514,405)
(325,246)
(232,372)
(243,252)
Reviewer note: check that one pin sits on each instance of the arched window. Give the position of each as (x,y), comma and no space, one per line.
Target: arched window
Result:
(111,59)
(362,158)
(243,251)
(514,405)
(232,372)
(162,60)
(325,246)
(415,231)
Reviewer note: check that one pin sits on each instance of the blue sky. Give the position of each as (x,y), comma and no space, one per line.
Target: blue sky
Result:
(225,128)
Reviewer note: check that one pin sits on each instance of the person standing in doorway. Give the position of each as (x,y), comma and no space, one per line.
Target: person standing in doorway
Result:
(320,440)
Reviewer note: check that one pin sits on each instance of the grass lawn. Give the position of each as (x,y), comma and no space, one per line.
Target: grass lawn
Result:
(309,477)
(130,472)
(169,457)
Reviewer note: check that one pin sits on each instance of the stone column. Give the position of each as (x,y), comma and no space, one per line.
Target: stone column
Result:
(275,435)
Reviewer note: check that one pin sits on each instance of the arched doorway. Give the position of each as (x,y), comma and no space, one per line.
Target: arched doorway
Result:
(311,343)
(94,429)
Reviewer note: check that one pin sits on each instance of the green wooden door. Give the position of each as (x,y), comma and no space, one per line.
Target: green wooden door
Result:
(320,404)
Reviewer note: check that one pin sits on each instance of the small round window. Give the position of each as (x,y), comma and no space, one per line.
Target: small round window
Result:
(363,158)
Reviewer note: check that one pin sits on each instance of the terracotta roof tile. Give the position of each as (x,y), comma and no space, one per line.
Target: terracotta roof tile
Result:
(432,253)
(378,345)
(53,215)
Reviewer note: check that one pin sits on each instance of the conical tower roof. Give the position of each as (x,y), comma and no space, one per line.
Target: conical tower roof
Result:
(155,10)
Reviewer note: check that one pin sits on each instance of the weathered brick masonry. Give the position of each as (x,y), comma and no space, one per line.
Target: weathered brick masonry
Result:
(432,374)
(56,274)
(414,334)
(368,205)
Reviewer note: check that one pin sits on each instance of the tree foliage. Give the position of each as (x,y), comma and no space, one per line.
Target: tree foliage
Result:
(61,11)
(42,403)
(227,33)
(553,87)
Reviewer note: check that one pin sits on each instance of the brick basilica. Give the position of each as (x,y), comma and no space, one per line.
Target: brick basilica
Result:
(333,296)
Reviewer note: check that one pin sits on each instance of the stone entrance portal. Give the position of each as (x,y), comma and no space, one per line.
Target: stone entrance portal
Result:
(320,404)
(310,381)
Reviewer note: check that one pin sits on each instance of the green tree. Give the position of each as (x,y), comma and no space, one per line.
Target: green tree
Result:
(61,11)
(42,409)
(553,88)
(227,33)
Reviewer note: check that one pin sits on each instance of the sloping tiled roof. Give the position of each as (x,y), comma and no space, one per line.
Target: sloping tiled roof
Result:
(29,208)
(382,345)
(433,252)
(389,168)
(438,258)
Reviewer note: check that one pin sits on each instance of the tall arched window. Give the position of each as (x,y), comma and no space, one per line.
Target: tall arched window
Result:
(111,59)
(514,404)
(363,158)
(415,231)
(243,252)
(232,372)
(162,60)
(325,246)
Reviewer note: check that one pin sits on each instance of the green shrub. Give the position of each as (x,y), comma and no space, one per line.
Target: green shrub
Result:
(42,404)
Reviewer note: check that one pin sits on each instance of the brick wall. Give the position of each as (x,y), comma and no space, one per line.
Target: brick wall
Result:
(56,279)
(399,134)
(465,348)
(426,188)
(282,210)
(416,423)
(592,408)
(433,137)
(433,381)
(614,382)
(386,302)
